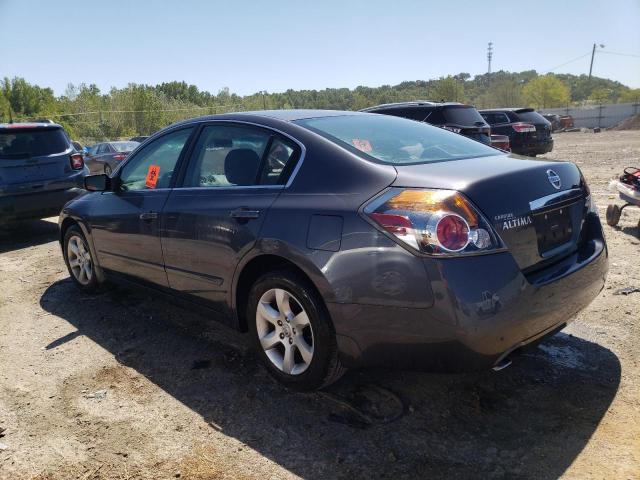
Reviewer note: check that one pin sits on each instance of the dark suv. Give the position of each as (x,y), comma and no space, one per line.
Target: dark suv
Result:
(40,170)
(529,132)
(456,117)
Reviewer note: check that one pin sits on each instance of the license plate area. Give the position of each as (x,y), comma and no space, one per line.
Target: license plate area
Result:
(553,228)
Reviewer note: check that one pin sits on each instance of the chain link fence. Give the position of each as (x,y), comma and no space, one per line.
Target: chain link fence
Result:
(603,116)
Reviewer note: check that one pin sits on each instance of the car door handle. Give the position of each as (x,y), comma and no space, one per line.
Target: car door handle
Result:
(244,214)
(148,216)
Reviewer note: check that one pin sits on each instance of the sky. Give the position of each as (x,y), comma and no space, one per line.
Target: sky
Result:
(275,45)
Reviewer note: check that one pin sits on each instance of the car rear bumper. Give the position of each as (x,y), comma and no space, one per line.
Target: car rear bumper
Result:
(485,308)
(533,148)
(40,204)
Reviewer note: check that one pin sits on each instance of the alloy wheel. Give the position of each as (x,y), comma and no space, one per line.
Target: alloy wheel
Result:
(79,260)
(284,331)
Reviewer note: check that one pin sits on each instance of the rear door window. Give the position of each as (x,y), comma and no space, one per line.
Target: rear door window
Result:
(495,118)
(19,143)
(239,155)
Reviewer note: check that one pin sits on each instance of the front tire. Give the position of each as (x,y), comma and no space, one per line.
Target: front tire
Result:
(292,332)
(79,260)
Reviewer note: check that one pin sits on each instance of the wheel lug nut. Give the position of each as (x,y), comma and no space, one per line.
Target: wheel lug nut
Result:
(280,323)
(281,336)
(290,341)
(288,320)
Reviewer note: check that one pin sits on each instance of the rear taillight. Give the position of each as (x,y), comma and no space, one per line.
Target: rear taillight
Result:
(523,127)
(77,163)
(434,222)
(118,157)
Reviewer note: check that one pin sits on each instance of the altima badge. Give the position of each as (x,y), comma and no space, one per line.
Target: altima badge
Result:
(554,179)
(517,222)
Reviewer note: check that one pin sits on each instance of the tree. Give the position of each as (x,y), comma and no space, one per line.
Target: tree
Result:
(631,95)
(600,96)
(447,89)
(546,92)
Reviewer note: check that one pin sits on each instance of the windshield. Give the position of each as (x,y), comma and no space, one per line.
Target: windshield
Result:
(395,140)
(124,146)
(31,142)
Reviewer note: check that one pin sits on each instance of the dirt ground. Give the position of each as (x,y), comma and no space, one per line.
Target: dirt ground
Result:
(126,386)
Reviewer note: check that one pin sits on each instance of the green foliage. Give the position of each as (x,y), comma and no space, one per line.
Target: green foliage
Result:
(546,92)
(631,95)
(91,115)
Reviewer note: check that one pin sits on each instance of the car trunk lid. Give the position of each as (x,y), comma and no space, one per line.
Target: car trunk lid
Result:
(537,221)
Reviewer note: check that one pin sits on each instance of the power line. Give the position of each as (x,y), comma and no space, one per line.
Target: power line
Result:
(567,63)
(618,53)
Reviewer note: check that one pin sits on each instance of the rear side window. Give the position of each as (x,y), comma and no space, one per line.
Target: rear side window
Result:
(532,117)
(17,143)
(495,118)
(395,141)
(238,155)
(464,116)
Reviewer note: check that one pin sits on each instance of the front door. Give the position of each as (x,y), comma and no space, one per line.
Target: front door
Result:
(234,175)
(125,223)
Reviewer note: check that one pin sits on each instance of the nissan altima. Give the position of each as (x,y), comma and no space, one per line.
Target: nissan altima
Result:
(345,239)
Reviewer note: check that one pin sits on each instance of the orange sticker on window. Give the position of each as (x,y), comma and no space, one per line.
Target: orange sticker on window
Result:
(363,145)
(152,176)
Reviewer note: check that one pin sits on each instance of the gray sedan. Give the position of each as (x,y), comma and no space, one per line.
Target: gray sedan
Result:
(105,157)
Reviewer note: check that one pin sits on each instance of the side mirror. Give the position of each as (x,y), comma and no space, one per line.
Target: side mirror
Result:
(97,183)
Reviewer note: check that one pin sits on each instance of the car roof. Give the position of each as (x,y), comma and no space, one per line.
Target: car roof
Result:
(284,115)
(508,109)
(27,125)
(414,104)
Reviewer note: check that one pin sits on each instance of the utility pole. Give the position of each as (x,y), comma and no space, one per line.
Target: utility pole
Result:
(593,54)
(490,56)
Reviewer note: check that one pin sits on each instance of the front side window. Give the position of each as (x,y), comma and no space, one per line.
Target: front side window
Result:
(394,140)
(153,166)
(238,155)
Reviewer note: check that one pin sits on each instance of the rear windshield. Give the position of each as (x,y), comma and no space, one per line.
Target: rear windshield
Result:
(16,143)
(124,146)
(532,117)
(395,141)
(465,116)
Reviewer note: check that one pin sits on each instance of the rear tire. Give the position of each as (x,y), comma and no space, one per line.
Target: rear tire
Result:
(292,332)
(79,260)
(613,214)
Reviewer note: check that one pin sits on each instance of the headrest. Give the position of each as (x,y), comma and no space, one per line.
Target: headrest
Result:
(241,166)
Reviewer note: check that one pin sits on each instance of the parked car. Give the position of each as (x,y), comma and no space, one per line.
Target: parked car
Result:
(554,120)
(528,131)
(501,142)
(456,117)
(40,170)
(139,139)
(105,157)
(345,239)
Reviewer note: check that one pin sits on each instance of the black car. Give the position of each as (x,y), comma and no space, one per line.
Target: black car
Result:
(529,132)
(105,157)
(40,170)
(345,239)
(456,117)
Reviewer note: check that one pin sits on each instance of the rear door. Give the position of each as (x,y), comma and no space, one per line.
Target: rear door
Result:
(34,158)
(235,173)
(125,223)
